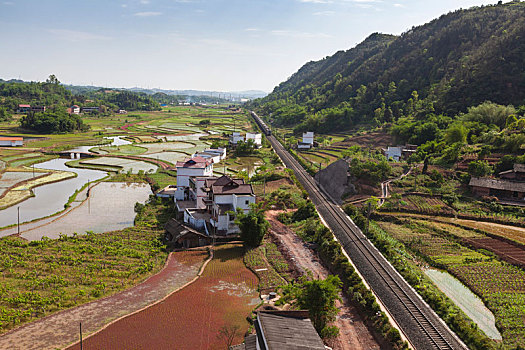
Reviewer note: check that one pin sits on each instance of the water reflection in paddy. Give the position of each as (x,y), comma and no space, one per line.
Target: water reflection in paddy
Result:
(110,207)
(50,198)
(467,301)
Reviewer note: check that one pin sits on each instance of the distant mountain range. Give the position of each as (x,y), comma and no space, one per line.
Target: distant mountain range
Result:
(227,95)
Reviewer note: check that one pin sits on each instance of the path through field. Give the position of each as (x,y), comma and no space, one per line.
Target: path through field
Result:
(225,294)
(62,328)
(353,333)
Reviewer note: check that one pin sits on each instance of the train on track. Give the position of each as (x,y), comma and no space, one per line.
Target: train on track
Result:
(264,128)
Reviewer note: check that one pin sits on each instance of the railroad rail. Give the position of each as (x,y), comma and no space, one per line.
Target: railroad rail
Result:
(417,321)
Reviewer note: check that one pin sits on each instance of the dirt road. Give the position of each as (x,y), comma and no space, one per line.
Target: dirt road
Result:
(62,328)
(353,333)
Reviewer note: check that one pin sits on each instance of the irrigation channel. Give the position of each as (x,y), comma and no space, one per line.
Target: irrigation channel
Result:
(418,322)
(50,198)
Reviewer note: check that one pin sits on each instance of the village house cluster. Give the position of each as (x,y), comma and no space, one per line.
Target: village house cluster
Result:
(205,203)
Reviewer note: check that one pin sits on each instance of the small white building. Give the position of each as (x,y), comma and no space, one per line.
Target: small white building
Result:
(167,192)
(236,137)
(11,141)
(215,154)
(308,141)
(394,153)
(257,138)
(193,167)
(75,109)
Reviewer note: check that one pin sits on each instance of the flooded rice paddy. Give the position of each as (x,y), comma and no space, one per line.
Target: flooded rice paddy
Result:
(467,301)
(49,198)
(110,207)
(133,166)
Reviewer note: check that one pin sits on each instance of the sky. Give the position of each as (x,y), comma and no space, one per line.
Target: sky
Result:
(219,45)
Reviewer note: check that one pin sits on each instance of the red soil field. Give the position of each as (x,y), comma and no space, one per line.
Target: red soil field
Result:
(225,294)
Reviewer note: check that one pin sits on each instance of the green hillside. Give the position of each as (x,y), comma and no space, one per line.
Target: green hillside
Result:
(443,67)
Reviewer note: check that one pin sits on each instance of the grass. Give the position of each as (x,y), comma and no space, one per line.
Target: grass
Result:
(46,276)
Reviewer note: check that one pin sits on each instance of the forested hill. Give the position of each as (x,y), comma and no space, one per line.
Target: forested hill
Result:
(458,60)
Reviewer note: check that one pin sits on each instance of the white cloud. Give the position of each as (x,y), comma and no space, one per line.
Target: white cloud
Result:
(147,14)
(399,5)
(76,36)
(324,13)
(295,34)
(251,29)
(145,2)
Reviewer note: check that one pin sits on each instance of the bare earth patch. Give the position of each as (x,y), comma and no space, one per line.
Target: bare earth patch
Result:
(353,333)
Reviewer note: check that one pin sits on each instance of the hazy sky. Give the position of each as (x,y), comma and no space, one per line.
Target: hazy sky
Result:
(221,45)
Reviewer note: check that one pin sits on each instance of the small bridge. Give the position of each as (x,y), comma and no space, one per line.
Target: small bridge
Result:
(75,155)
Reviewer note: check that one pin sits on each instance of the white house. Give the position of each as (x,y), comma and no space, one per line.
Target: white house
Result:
(75,109)
(216,201)
(236,137)
(215,154)
(11,141)
(196,166)
(394,153)
(257,138)
(308,141)
(227,195)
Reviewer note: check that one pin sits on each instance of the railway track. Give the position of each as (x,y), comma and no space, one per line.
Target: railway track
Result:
(418,322)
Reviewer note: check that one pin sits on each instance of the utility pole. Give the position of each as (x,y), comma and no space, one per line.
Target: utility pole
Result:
(19,221)
(368,217)
(80,329)
(88,198)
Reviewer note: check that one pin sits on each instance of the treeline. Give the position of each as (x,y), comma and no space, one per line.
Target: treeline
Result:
(52,93)
(459,60)
(53,121)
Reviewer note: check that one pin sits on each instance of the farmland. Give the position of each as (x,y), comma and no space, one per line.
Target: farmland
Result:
(500,285)
(224,295)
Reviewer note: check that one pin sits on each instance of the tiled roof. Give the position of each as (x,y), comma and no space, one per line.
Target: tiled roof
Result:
(195,162)
(293,332)
(497,184)
(7,138)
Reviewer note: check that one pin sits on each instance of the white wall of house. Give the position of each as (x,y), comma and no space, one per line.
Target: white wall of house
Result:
(236,137)
(243,201)
(11,143)
(184,174)
(198,224)
(257,138)
(393,153)
(308,137)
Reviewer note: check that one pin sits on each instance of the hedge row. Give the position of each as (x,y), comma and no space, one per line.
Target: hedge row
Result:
(331,253)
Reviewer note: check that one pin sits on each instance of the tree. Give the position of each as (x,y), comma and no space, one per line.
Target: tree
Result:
(253,226)
(228,334)
(456,133)
(52,80)
(318,297)
(479,168)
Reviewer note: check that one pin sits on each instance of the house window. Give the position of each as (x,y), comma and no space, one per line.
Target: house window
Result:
(247,202)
